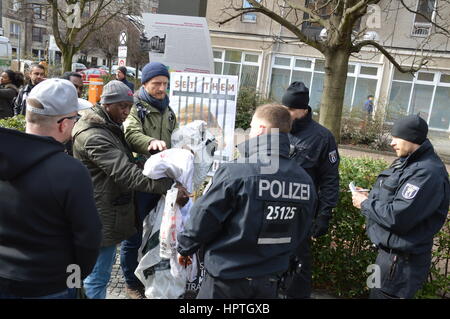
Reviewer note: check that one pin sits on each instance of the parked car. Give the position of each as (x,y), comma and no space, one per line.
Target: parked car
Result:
(92,73)
(77,67)
(104,68)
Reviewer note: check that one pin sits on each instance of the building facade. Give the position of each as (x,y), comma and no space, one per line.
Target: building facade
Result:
(267,57)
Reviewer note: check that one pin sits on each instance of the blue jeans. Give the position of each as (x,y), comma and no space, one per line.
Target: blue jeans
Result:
(69,293)
(129,248)
(95,284)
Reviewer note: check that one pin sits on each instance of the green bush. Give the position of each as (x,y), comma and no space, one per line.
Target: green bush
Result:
(15,123)
(341,257)
(248,100)
(438,282)
(357,129)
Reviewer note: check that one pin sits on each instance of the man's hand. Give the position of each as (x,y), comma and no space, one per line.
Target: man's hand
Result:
(156,146)
(320,226)
(184,260)
(358,198)
(182,196)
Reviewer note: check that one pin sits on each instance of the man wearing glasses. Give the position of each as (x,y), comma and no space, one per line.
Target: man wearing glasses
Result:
(50,231)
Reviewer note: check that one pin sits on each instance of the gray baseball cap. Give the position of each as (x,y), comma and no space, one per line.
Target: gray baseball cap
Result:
(115,92)
(58,97)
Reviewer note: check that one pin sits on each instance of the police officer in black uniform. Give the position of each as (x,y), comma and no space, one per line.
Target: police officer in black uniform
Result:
(257,210)
(317,153)
(405,209)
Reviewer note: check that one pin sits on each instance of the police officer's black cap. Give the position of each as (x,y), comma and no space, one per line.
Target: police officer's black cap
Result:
(411,128)
(296,96)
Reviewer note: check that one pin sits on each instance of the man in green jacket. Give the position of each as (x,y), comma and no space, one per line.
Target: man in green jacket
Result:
(148,130)
(99,142)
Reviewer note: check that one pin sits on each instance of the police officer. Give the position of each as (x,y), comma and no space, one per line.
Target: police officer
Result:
(317,153)
(253,215)
(405,209)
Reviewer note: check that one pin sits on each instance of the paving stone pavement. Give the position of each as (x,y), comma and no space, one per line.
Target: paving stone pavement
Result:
(116,285)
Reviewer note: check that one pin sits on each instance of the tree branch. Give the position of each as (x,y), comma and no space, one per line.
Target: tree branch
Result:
(257,7)
(423,61)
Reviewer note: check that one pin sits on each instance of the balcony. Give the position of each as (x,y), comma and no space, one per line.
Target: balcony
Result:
(421,30)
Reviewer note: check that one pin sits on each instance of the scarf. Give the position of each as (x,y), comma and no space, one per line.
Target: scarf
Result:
(161,105)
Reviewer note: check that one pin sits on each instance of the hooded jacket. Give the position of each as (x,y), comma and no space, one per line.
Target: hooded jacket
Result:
(100,145)
(146,123)
(48,218)
(7,94)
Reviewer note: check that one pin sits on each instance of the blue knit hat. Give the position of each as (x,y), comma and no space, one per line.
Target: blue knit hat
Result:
(153,69)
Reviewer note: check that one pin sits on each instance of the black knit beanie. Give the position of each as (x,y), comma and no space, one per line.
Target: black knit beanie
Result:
(296,96)
(411,128)
(123,70)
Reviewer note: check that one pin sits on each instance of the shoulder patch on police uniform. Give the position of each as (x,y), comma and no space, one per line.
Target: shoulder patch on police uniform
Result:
(410,191)
(332,156)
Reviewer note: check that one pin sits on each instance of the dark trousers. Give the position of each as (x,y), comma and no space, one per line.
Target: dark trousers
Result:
(299,282)
(264,287)
(145,202)
(401,275)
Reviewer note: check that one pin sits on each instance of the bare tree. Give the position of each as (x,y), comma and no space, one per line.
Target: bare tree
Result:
(74,21)
(338,40)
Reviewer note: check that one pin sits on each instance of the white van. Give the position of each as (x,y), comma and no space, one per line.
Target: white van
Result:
(5,54)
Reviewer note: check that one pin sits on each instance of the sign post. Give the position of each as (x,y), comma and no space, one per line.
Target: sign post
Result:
(123,49)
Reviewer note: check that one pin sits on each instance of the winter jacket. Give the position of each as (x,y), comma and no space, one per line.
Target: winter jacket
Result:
(7,94)
(317,153)
(146,123)
(100,145)
(128,83)
(251,220)
(409,203)
(20,106)
(48,218)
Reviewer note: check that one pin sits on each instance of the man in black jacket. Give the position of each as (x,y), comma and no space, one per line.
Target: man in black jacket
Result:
(37,75)
(50,231)
(405,209)
(253,216)
(121,75)
(317,153)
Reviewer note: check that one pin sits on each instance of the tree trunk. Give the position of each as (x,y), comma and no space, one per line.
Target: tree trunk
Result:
(336,67)
(67,56)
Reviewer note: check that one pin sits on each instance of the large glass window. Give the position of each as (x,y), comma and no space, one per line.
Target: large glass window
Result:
(426,93)
(362,80)
(245,65)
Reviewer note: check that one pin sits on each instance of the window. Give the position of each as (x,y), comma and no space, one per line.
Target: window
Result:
(14,30)
(248,17)
(312,29)
(14,5)
(426,93)
(245,65)
(39,12)
(39,54)
(422,22)
(38,34)
(362,80)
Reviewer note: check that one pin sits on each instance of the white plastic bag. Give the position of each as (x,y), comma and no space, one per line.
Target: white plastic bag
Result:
(168,230)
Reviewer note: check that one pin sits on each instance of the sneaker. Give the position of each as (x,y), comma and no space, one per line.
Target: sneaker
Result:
(135,293)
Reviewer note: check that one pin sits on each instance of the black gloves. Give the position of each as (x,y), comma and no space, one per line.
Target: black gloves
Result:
(320,225)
